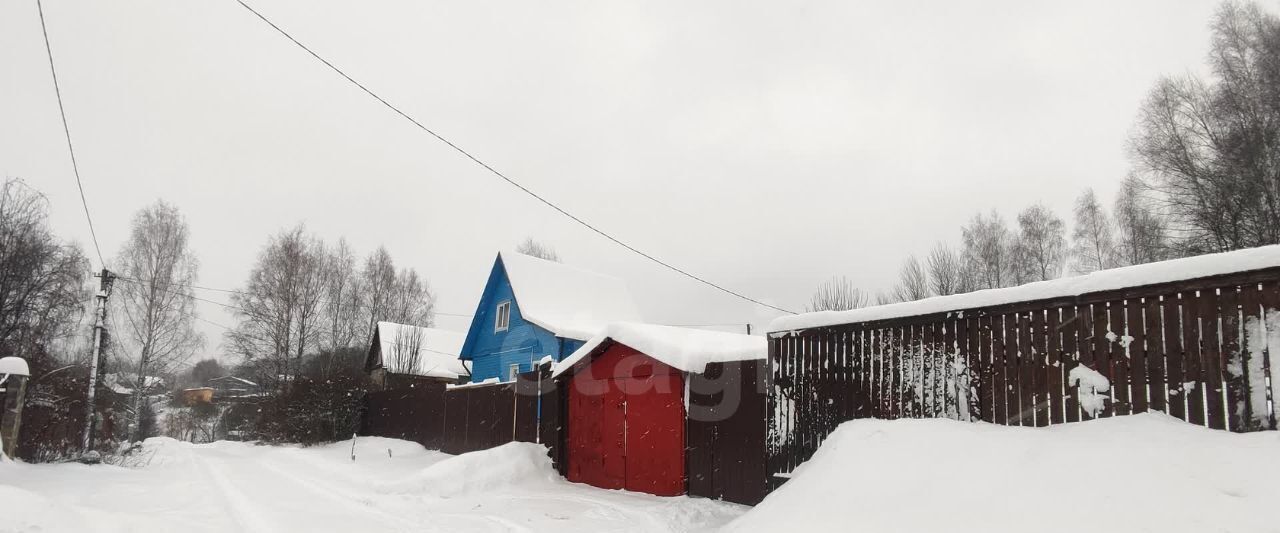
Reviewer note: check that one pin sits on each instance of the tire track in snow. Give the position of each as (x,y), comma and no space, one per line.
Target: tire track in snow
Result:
(348,499)
(242,511)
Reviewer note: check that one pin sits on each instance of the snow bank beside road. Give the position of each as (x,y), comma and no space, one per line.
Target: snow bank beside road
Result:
(1145,472)
(515,464)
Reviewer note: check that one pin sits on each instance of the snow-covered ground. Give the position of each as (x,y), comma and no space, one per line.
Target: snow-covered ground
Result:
(1139,473)
(392,486)
(1146,472)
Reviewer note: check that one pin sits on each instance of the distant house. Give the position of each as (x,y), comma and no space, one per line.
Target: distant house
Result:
(123,383)
(400,355)
(533,308)
(196,395)
(232,387)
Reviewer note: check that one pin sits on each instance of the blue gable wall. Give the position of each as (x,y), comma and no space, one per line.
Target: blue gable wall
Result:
(523,343)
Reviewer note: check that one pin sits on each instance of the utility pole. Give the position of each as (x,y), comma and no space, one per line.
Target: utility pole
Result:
(104,291)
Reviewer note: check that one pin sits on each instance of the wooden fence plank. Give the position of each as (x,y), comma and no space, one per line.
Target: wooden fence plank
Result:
(858,376)
(865,344)
(1053,365)
(1174,354)
(973,361)
(989,387)
(1196,385)
(921,367)
(1211,358)
(1102,352)
(1013,367)
(1157,389)
(1026,372)
(1233,360)
(911,364)
(1012,377)
(1070,328)
(1120,383)
(903,354)
(1135,328)
(948,355)
(1270,299)
(1039,368)
(1000,396)
(1252,347)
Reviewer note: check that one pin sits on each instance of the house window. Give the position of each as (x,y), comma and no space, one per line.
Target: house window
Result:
(503,318)
(513,372)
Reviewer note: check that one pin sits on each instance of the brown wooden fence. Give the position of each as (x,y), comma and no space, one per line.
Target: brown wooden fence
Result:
(725,432)
(464,419)
(1198,350)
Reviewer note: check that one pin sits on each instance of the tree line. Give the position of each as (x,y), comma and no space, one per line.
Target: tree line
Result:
(1204,178)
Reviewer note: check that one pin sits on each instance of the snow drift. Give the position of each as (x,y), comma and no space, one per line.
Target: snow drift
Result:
(1147,472)
(514,464)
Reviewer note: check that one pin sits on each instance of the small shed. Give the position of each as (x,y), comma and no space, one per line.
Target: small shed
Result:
(631,424)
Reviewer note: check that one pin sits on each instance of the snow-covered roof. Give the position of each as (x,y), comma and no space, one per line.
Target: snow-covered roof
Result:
(123,382)
(236,379)
(436,350)
(567,301)
(1103,280)
(14,365)
(685,349)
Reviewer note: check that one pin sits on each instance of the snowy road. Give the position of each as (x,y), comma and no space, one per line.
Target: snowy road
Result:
(392,486)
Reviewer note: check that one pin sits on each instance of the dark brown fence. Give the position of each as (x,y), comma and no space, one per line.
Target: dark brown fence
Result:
(1198,350)
(725,432)
(414,414)
(464,419)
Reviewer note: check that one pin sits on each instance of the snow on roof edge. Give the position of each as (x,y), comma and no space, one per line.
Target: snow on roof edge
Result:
(1183,269)
(686,349)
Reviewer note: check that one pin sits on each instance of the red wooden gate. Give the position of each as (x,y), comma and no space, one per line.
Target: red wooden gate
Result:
(626,424)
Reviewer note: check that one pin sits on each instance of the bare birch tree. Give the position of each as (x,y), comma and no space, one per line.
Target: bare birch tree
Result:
(534,248)
(1093,238)
(913,281)
(1141,229)
(411,300)
(279,310)
(378,280)
(1041,244)
(837,294)
(1212,147)
(987,250)
(156,300)
(947,271)
(42,281)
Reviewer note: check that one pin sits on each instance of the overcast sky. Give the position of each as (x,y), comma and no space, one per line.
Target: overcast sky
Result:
(763,146)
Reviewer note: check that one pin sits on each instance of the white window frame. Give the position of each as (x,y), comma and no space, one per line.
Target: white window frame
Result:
(513,371)
(503,319)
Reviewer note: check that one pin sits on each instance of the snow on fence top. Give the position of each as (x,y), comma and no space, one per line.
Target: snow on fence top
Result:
(686,349)
(1104,280)
(567,301)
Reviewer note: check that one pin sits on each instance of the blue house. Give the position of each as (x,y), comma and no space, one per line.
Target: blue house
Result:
(533,308)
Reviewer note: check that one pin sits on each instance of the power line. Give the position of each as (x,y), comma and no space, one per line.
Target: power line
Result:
(504,177)
(67,131)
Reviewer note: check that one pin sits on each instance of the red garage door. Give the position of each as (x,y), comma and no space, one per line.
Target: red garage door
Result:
(626,424)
